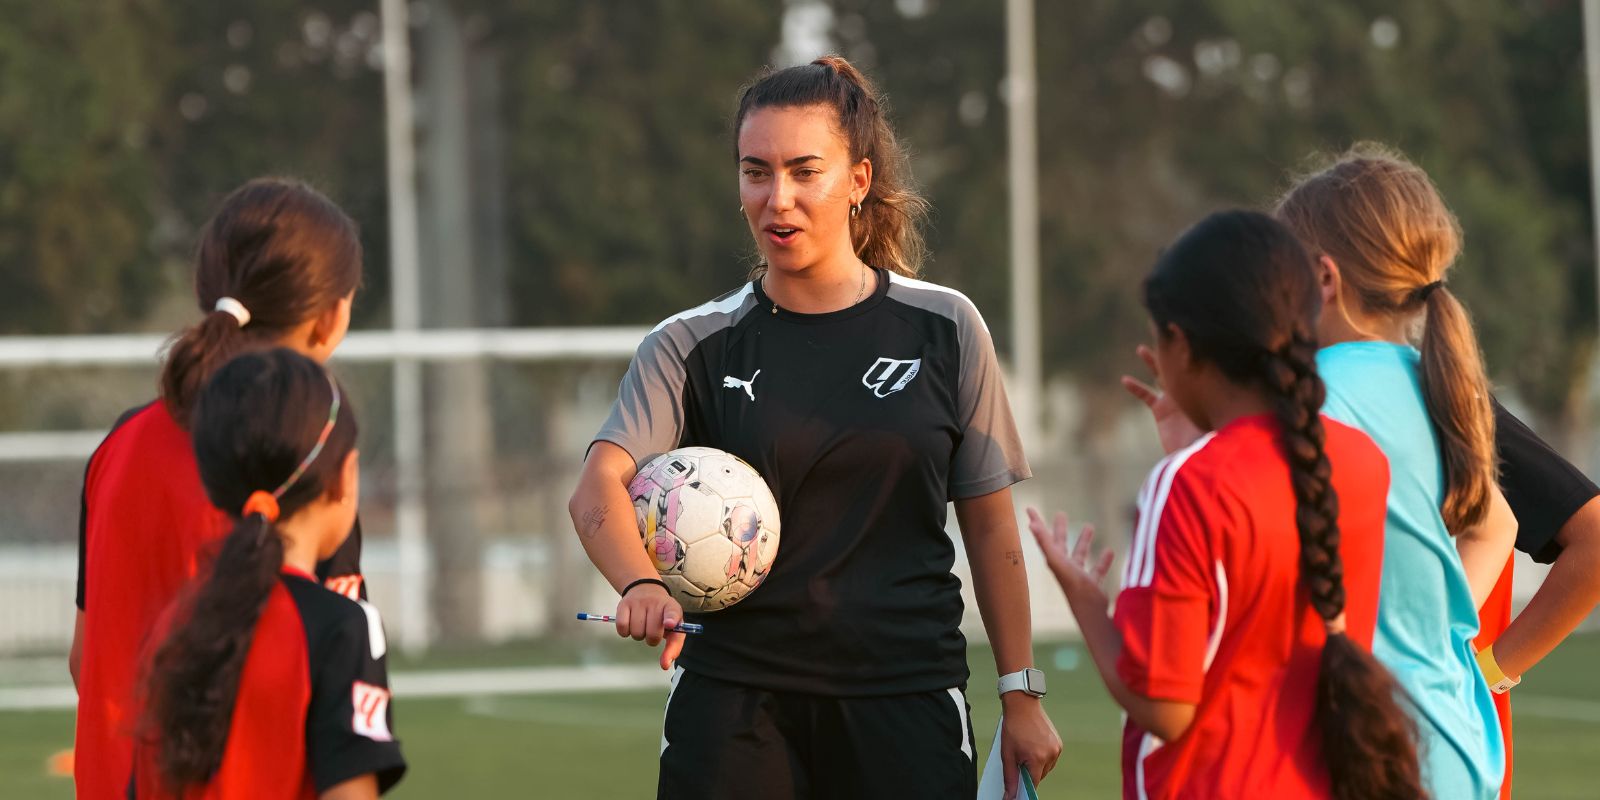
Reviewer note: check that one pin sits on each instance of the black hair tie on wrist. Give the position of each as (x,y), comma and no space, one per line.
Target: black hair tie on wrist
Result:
(656,581)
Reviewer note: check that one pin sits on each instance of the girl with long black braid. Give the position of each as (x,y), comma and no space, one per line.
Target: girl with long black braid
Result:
(266,683)
(1239,644)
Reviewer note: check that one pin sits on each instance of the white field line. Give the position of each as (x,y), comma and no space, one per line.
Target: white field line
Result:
(577,680)
(39,698)
(426,684)
(542,680)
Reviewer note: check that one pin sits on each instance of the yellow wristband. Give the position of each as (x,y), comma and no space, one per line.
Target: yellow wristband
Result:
(1499,682)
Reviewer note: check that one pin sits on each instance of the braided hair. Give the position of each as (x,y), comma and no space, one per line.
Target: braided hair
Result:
(1241,288)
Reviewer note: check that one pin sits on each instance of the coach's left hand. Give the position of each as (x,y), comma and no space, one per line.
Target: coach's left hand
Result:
(1027,738)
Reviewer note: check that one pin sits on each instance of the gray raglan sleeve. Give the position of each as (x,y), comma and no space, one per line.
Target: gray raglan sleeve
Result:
(647,418)
(989,457)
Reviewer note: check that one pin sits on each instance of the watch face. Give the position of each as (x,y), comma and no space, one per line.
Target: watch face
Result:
(1035,679)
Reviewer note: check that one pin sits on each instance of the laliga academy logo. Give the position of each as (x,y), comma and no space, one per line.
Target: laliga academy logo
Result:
(371,717)
(890,375)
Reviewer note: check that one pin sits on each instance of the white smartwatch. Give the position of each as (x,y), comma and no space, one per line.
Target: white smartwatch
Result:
(1029,681)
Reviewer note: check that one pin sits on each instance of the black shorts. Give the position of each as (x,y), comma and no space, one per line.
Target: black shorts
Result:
(727,740)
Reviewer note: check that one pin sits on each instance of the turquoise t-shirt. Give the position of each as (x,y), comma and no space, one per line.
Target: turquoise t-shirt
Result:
(1426,617)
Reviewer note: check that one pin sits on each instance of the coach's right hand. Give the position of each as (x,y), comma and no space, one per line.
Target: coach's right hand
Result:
(648,614)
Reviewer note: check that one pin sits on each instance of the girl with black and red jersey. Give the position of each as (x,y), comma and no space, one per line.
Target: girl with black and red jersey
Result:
(266,683)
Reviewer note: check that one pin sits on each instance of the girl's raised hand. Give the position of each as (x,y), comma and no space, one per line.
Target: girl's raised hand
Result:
(1079,571)
(1175,430)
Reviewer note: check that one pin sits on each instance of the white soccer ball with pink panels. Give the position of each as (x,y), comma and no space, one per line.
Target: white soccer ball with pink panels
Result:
(709,523)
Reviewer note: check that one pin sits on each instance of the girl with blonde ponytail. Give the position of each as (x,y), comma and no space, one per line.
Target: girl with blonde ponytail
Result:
(1402,364)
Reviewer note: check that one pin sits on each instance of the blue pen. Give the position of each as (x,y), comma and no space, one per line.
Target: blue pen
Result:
(683,627)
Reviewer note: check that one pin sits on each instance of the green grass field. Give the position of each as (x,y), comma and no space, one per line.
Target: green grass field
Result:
(604,745)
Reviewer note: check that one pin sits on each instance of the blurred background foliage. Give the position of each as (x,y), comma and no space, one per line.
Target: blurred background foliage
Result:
(592,150)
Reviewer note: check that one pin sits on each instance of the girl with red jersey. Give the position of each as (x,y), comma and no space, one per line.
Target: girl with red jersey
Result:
(266,683)
(276,266)
(1239,643)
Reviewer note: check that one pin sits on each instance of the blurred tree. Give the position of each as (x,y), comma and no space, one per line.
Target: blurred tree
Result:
(623,196)
(285,87)
(80,89)
(1152,113)
(123,124)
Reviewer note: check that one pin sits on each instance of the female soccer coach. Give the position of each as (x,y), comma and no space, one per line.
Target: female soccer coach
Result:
(868,400)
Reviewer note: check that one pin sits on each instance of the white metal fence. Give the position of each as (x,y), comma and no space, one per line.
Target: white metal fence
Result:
(46,569)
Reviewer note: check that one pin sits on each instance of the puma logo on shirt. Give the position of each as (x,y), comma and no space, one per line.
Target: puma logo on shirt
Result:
(749,386)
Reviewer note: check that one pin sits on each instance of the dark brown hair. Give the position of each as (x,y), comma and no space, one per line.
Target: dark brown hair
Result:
(1383,222)
(1242,289)
(280,248)
(886,234)
(253,423)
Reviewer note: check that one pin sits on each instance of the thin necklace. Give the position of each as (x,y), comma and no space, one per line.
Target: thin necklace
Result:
(861,291)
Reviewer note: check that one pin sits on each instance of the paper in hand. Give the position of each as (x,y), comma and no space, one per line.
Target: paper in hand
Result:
(992,784)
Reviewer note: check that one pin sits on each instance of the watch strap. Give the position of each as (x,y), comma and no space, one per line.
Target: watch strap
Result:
(1029,681)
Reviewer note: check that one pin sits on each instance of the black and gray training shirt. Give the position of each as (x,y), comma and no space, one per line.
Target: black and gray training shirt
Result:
(865,422)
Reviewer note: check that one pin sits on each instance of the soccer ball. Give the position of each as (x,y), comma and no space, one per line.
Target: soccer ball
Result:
(709,522)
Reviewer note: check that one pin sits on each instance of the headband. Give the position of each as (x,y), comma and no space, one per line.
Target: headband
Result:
(233,308)
(266,503)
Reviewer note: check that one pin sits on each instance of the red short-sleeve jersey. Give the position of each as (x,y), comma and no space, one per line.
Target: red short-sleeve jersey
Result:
(146,525)
(1213,612)
(312,710)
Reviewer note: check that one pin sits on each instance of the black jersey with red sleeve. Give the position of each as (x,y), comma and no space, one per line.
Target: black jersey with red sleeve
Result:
(312,709)
(1544,490)
(146,527)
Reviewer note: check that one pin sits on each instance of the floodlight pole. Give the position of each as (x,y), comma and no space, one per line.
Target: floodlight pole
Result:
(405,312)
(1022,122)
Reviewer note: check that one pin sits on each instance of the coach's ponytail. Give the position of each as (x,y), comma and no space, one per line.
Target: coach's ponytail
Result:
(255,425)
(1383,222)
(886,234)
(283,253)
(1242,289)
